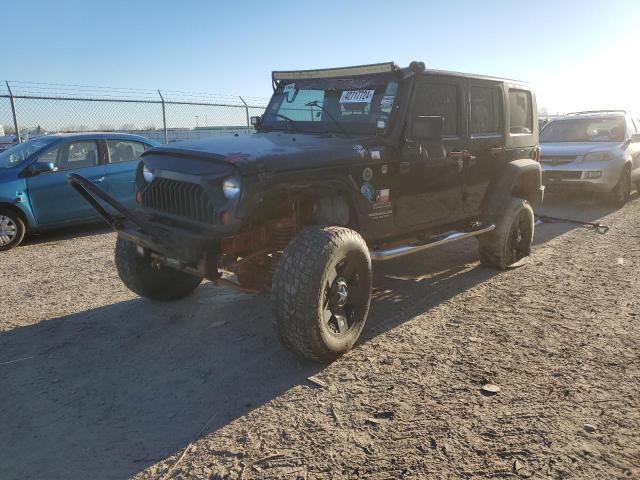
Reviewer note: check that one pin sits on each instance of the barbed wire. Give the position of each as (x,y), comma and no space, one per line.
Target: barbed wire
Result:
(66,90)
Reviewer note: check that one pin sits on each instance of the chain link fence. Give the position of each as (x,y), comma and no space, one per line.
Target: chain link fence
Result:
(29,108)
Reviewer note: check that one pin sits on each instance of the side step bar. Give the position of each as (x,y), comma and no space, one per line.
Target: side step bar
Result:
(399,251)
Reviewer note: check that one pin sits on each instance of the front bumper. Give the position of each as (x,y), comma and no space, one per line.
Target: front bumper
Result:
(177,247)
(591,177)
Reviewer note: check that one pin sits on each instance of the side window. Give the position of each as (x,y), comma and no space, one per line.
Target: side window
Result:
(124,150)
(520,108)
(73,155)
(438,99)
(631,127)
(486,110)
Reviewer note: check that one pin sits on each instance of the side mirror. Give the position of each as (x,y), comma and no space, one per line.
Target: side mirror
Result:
(41,167)
(427,129)
(256,121)
(635,138)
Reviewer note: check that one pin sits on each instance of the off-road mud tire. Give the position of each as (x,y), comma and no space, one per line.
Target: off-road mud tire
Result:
(157,283)
(496,247)
(17,232)
(299,291)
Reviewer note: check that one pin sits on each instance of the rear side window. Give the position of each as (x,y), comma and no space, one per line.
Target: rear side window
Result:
(124,150)
(440,100)
(486,110)
(521,114)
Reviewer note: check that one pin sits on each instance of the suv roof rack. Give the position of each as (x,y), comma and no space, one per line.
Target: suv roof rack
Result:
(586,112)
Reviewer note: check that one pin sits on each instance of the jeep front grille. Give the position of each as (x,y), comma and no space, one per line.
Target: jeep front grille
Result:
(183,199)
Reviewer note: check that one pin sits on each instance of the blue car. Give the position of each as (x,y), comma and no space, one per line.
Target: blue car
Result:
(34,193)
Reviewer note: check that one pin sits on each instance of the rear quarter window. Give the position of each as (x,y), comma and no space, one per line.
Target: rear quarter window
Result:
(520,112)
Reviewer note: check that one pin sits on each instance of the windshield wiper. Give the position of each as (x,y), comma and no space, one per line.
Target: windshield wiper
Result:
(315,103)
(291,121)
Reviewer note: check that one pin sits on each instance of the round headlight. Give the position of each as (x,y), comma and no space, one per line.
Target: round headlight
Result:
(147,174)
(231,187)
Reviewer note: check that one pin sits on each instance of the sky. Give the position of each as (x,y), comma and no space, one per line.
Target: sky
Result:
(578,54)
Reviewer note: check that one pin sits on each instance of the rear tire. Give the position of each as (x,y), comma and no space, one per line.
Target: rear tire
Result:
(12,229)
(321,292)
(509,245)
(621,193)
(140,276)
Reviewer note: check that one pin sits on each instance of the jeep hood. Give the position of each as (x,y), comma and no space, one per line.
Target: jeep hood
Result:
(575,149)
(257,152)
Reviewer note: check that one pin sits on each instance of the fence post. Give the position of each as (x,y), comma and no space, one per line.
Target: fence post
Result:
(246,109)
(164,118)
(13,111)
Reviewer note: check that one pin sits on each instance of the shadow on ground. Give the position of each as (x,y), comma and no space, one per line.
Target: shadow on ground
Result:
(107,392)
(60,234)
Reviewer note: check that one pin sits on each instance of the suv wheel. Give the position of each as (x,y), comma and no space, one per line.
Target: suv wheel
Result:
(509,245)
(141,276)
(321,292)
(12,229)
(622,191)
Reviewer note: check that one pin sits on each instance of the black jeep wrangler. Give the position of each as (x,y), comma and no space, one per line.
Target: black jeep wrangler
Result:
(347,166)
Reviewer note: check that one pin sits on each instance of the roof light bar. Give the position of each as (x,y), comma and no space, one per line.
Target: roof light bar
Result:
(335,72)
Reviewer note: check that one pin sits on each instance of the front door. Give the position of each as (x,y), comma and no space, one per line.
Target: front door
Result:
(429,182)
(53,200)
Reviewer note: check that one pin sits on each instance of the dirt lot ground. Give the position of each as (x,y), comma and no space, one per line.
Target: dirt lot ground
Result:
(97,383)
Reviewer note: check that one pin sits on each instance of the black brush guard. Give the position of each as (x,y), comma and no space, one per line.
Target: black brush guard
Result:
(170,242)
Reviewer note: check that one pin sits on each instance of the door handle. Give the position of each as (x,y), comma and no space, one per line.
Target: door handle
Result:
(467,159)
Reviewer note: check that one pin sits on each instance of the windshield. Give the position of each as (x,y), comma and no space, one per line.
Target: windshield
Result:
(19,153)
(341,105)
(584,130)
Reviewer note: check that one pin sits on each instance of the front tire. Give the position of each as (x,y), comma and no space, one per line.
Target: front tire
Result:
(621,193)
(12,229)
(509,245)
(321,292)
(141,276)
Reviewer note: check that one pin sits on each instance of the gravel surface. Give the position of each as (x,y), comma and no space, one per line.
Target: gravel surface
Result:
(98,383)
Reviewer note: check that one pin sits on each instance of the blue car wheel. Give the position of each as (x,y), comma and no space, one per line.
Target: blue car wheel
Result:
(12,229)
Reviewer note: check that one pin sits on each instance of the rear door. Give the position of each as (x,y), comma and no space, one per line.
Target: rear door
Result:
(122,161)
(52,199)
(486,139)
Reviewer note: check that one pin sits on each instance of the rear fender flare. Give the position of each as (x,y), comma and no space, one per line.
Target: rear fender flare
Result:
(520,178)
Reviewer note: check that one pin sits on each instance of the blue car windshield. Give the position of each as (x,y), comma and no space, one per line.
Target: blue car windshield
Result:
(341,105)
(19,153)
